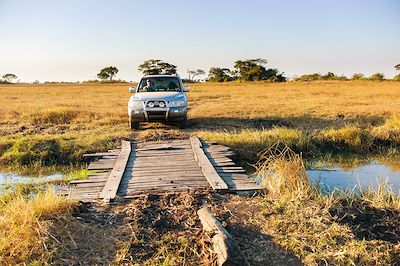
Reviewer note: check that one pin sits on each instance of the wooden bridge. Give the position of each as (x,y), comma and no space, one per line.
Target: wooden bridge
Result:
(145,168)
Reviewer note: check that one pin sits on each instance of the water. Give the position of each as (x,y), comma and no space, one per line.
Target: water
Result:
(364,176)
(9,180)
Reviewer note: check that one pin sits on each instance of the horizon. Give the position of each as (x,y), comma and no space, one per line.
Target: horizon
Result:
(72,40)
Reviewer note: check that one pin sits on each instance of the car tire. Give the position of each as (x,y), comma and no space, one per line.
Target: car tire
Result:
(183,124)
(133,124)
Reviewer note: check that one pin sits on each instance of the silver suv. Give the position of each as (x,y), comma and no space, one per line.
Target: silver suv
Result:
(158,98)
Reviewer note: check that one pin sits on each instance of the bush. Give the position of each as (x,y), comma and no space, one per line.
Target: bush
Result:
(377,77)
(357,76)
(317,76)
(396,78)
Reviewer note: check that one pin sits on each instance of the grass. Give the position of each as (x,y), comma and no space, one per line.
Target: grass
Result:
(56,123)
(340,229)
(52,125)
(24,226)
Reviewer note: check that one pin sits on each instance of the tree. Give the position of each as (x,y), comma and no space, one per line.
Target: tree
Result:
(157,67)
(194,73)
(219,74)
(254,69)
(9,77)
(397,67)
(377,77)
(251,69)
(357,76)
(107,73)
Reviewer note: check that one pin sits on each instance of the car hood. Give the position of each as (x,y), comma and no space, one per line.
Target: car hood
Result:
(162,95)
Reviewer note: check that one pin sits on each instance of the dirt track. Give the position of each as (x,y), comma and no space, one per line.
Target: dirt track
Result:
(159,229)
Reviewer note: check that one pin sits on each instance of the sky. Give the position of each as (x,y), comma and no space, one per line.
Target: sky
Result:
(71,40)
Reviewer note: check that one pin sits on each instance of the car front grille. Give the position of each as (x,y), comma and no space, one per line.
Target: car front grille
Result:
(156,115)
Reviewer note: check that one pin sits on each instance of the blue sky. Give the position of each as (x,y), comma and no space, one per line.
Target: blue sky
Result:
(72,39)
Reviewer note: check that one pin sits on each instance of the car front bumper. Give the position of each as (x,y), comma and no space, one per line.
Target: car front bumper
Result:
(172,114)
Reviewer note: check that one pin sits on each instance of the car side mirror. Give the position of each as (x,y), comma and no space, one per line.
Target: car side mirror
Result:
(132,89)
(186,88)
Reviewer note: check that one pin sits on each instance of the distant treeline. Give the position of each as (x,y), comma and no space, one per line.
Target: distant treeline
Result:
(243,70)
(332,76)
(87,81)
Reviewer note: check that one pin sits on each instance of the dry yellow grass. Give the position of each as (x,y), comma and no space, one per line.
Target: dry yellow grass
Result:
(323,100)
(246,116)
(52,124)
(338,229)
(24,227)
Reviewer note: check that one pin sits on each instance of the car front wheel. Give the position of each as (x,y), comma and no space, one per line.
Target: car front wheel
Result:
(182,124)
(133,124)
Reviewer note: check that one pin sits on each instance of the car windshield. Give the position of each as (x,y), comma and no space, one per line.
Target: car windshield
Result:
(154,84)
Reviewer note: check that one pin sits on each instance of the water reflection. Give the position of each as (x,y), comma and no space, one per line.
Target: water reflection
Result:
(352,178)
(9,180)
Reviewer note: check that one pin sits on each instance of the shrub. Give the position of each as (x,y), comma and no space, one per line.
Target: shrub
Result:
(317,76)
(357,76)
(377,77)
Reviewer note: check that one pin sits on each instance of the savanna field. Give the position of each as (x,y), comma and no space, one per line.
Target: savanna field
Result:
(275,129)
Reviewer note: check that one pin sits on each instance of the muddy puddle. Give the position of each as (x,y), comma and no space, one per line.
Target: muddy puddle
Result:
(367,175)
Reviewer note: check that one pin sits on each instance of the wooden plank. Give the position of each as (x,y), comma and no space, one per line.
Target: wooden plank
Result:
(100,166)
(228,252)
(91,185)
(94,180)
(163,169)
(159,170)
(223,164)
(217,156)
(226,154)
(131,192)
(184,155)
(222,160)
(100,154)
(164,185)
(193,176)
(110,189)
(165,164)
(207,168)
(167,180)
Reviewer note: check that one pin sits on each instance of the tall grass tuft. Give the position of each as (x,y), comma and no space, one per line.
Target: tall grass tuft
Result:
(380,196)
(24,225)
(283,173)
(55,116)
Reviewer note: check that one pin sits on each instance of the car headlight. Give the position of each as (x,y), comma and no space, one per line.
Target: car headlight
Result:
(135,105)
(177,104)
